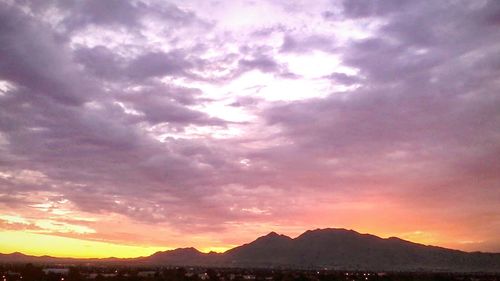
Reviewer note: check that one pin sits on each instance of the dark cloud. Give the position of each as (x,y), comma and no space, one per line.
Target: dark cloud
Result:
(101,62)
(130,15)
(113,12)
(158,64)
(343,78)
(33,57)
(264,64)
(158,107)
(361,9)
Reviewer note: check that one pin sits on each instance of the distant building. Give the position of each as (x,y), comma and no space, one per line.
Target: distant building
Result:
(146,273)
(203,276)
(62,271)
(94,275)
(11,274)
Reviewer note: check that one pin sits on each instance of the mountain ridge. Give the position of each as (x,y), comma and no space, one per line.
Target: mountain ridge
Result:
(333,248)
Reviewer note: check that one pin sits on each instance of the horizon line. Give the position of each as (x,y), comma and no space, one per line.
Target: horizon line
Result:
(222,252)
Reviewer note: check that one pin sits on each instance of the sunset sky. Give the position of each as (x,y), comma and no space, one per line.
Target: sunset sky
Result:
(129,127)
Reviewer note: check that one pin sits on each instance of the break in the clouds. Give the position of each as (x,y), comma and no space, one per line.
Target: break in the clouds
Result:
(207,123)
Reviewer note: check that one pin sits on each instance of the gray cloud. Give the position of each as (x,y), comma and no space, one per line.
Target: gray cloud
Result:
(360,9)
(96,12)
(158,64)
(424,119)
(33,57)
(264,64)
(307,44)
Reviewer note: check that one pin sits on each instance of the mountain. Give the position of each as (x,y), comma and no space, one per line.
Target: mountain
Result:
(22,258)
(267,250)
(347,249)
(181,256)
(320,248)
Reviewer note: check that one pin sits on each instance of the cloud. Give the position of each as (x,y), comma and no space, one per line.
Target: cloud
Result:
(59,121)
(264,64)
(343,78)
(112,12)
(158,64)
(34,58)
(101,62)
(307,44)
(117,109)
(419,118)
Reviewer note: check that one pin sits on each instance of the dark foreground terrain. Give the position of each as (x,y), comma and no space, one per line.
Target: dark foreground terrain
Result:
(30,272)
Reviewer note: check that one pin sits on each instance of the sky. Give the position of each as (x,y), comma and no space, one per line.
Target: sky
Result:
(130,127)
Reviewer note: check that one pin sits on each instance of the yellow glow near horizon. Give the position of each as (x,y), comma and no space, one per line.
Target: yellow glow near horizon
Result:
(56,246)
(216,249)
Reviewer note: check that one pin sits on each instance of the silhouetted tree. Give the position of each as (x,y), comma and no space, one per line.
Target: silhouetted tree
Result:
(31,273)
(74,274)
(212,275)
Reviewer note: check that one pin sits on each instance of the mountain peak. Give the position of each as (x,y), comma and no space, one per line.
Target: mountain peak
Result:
(188,249)
(274,236)
(178,251)
(327,231)
(17,254)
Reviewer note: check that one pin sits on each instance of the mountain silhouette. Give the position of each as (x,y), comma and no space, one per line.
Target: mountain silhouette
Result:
(181,256)
(321,248)
(266,250)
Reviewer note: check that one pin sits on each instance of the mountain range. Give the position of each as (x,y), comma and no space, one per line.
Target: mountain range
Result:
(321,248)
